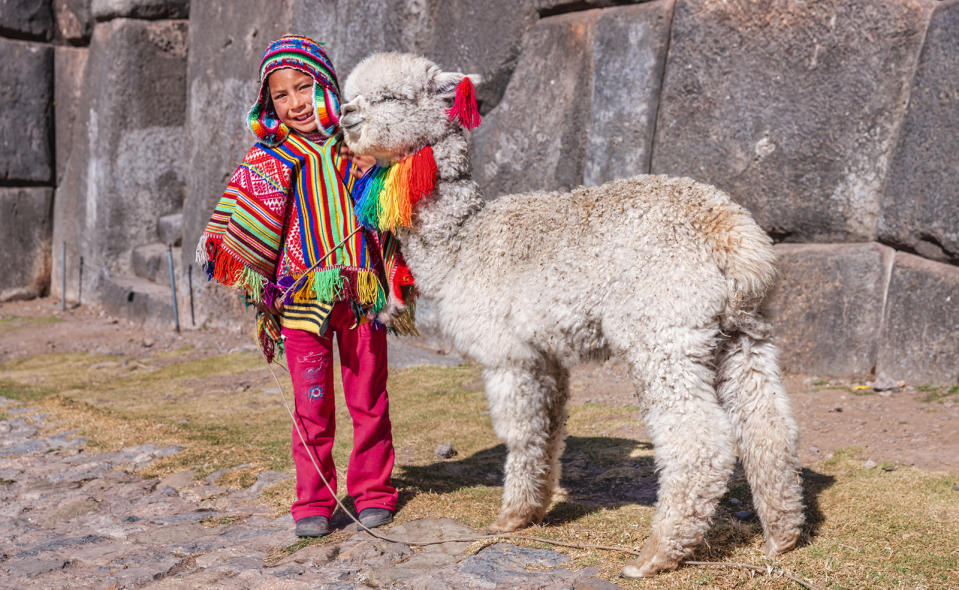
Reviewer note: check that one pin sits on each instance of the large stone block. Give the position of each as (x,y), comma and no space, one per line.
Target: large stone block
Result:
(920,334)
(70,65)
(479,38)
(629,52)
(382,25)
(791,107)
(25,224)
(74,19)
(26,92)
(536,137)
(826,308)
(227,40)
(127,165)
(148,9)
(920,209)
(569,114)
(473,37)
(26,18)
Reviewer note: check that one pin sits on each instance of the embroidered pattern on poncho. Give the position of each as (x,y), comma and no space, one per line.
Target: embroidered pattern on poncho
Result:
(243,241)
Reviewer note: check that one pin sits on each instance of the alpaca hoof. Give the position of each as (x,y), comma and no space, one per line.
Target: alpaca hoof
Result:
(645,568)
(508,524)
(650,562)
(774,547)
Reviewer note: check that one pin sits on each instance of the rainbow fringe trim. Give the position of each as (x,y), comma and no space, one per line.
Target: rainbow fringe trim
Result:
(385,197)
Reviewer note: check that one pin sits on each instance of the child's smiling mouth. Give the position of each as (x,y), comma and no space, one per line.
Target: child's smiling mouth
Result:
(303,118)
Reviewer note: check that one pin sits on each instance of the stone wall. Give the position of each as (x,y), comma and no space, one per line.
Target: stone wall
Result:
(120,139)
(26,147)
(836,124)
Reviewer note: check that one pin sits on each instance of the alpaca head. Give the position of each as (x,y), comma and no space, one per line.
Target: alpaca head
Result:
(394,104)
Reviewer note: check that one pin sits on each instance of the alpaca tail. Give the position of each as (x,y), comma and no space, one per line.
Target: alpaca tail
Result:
(746,257)
(750,390)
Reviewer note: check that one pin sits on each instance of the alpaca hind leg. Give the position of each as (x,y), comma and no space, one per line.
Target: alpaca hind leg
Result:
(528,408)
(767,436)
(694,453)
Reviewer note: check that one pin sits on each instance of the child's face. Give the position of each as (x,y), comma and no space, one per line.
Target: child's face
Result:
(292,94)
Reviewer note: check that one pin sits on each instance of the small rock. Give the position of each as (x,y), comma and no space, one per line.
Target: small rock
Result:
(744,514)
(883,383)
(445,451)
(147,342)
(870,464)
(814,450)
(955,488)
(889,467)
(593,583)
(735,501)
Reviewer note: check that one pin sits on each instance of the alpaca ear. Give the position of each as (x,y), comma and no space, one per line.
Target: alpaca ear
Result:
(458,90)
(445,83)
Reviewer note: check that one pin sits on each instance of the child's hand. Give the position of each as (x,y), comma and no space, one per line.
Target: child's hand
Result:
(360,163)
(275,309)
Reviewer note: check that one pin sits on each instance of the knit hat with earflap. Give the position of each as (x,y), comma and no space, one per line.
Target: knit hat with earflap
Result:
(306,55)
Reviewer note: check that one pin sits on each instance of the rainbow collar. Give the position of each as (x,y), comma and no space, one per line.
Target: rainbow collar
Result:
(384,197)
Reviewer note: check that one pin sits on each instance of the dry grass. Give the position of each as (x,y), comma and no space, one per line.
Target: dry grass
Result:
(868,528)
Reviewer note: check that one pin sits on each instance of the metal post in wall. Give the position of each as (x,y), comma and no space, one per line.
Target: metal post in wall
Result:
(63,276)
(176,314)
(189,280)
(80,283)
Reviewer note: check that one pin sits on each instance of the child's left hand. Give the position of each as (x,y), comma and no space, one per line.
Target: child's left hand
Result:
(360,163)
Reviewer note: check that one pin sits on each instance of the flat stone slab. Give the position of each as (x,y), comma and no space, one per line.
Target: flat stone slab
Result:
(104,526)
(920,334)
(826,308)
(27,230)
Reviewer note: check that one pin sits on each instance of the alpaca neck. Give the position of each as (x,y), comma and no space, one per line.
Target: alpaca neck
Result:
(456,198)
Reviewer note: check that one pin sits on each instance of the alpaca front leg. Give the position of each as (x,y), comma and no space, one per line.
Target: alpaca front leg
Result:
(528,408)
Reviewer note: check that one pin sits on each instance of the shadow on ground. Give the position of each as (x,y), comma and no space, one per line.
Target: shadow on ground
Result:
(606,473)
(598,472)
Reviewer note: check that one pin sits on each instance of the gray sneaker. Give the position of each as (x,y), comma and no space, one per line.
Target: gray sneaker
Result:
(313,526)
(374,517)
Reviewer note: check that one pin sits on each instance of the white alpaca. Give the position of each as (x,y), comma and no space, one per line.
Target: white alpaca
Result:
(663,273)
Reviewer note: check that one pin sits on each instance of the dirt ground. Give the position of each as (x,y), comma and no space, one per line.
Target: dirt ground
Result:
(915,426)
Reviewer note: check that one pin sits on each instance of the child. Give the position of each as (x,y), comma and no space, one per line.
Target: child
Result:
(285,234)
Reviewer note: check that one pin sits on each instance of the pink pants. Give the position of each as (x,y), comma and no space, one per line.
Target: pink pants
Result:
(364,369)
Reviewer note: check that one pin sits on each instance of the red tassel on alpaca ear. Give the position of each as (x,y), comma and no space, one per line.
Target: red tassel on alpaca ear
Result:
(464,106)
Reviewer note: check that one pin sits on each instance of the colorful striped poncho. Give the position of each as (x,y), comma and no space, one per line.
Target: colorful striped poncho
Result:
(285,226)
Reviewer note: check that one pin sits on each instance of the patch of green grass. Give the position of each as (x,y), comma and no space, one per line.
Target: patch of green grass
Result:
(17,322)
(216,521)
(276,555)
(935,393)
(21,391)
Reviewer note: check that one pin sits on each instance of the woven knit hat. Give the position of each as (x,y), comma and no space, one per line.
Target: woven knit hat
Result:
(305,55)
